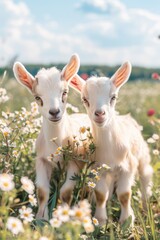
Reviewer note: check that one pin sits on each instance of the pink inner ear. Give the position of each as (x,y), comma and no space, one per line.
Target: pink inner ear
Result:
(24,78)
(70,69)
(121,76)
(76,84)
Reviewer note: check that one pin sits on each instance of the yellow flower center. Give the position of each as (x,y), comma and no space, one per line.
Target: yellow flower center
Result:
(65,212)
(26,214)
(5,184)
(14,225)
(78,214)
(82,129)
(5,134)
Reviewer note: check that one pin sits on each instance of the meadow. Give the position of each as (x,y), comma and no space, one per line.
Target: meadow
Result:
(19,126)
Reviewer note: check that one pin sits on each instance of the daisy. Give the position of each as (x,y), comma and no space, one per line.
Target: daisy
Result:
(56,223)
(91,184)
(27,185)
(82,129)
(34,108)
(6,131)
(155,136)
(78,213)
(58,151)
(155,152)
(63,213)
(86,220)
(151,140)
(94,172)
(43,238)
(26,214)
(88,227)
(84,237)
(85,206)
(15,153)
(6,182)
(32,200)
(95,221)
(14,225)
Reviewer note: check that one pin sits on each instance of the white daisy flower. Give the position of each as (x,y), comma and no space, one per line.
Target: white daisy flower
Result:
(86,220)
(26,214)
(5,115)
(43,238)
(63,213)
(85,207)
(95,221)
(151,140)
(91,184)
(56,223)
(155,152)
(88,227)
(78,213)
(34,108)
(6,131)
(155,136)
(6,182)
(94,172)
(32,200)
(15,153)
(27,185)
(14,225)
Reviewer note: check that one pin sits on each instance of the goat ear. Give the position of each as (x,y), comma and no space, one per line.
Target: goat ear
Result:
(77,83)
(71,68)
(23,76)
(121,76)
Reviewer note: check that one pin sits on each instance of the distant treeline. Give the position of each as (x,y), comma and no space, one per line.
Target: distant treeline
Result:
(90,70)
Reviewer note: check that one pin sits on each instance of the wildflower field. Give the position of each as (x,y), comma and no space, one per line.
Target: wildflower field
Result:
(19,126)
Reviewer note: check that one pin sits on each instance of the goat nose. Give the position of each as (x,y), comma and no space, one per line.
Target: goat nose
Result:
(99,113)
(54,112)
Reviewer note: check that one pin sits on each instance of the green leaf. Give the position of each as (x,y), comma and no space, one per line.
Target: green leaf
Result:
(53,202)
(40,222)
(126,224)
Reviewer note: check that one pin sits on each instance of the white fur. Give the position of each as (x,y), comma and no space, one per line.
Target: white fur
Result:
(50,85)
(119,143)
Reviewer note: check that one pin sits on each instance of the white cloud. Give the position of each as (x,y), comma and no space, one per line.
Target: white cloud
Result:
(104,7)
(101,5)
(131,34)
(108,33)
(19,9)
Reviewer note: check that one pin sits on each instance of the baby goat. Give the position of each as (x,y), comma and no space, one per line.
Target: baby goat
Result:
(119,142)
(50,88)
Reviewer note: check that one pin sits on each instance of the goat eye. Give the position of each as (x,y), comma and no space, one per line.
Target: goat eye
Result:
(113,98)
(65,93)
(37,98)
(85,101)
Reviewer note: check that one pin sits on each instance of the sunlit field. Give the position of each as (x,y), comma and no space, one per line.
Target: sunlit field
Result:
(19,127)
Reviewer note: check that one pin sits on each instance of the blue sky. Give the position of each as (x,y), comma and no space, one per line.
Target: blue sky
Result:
(100,31)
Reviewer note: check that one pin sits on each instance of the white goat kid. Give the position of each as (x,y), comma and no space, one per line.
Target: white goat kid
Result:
(50,88)
(119,142)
